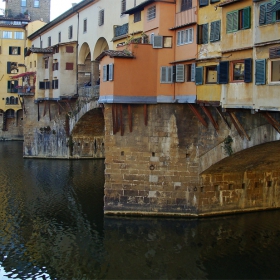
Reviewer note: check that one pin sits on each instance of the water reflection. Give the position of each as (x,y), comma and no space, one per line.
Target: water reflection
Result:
(52,227)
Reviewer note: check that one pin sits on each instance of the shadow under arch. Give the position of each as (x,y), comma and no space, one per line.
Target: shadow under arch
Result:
(100,46)
(83,54)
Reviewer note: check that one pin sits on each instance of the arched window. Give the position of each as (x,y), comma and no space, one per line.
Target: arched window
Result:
(7,100)
(12,100)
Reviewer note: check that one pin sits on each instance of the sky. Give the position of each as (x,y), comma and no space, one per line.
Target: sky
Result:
(57,7)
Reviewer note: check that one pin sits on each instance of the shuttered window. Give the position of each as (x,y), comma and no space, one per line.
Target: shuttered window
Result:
(108,72)
(238,20)
(158,42)
(14,50)
(69,49)
(215,30)
(105,74)
(203,3)
(223,72)
(123,6)
(151,13)
(166,74)
(260,71)
(190,72)
(111,72)
(69,66)
(55,84)
(101,17)
(180,73)
(202,34)
(199,75)
(269,12)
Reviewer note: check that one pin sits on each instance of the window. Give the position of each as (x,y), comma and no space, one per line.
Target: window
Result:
(151,13)
(30,64)
(47,84)
(238,20)
(180,73)
(55,66)
(185,37)
(215,30)
(36,3)
(166,74)
(190,72)
(69,65)
(12,86)
(42,85)
(12,67)
(275,71)
(85,26)
(46,63)
(269,13)
(23,3)
(7,34)
(19,35)
(55,84)
(203,3)
(238,71)
(49,41)
(137,16)
(59,37)
(202,34)
(108,72)
(123,6)
(101,17)
(211,74)
(14,50)
(69,49)
(186,5)
(167,42)
(70,32)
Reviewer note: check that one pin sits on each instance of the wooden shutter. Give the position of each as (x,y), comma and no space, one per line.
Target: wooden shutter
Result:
(205,33)
(246,21)
(69,49)
(111,72)
(163,71)
(105,73)
(158,42)
(18,50)
(8,67)
(270,16)
(262,17)
(260,72)
(223,72)
(248,70)
(69,65)
(199,75)
(10,50)
(180,73)
(193,67)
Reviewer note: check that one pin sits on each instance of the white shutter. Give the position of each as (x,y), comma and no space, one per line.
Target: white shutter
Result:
(163,74)
(190,35)
(105,73)
(180,73)
(158,42)
(111,72)
(193,72)
(179,38)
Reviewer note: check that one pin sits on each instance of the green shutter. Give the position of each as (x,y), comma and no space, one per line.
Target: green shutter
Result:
(246,21)
(205,33)
(8,67)
(223,72)
(260,71)
(235,21)
(248,70)
(270,16)
(199,75)
(212,31)
(262,17)
(215,31)
(231,21)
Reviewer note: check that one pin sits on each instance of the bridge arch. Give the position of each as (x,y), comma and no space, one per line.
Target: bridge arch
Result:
(100,46)
(217,159)
(84,53)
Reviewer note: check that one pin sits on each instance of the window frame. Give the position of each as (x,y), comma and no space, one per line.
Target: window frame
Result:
(184,36)
(16,33)
(232,64)
(168,79)
(238,20)
(269,63)
(14,50)
(70,32)
(101,16)
(135,18)
(36,5)
(85,25)
(211,68)
(23,3)
(8,33)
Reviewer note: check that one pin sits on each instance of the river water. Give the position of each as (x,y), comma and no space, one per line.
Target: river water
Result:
(52,227)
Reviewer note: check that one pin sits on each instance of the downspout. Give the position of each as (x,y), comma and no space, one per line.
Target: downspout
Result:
(77,56)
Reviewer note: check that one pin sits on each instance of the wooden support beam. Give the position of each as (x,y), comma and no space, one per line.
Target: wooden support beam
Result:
(275,124)
(61,106)
(44,108)
(130,117)
(145,115)
(210,117)
(238,126)
(198,115)
(38,105)
(223,117)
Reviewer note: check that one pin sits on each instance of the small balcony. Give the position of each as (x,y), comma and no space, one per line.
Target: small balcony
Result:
(120,30)
(186,17)
(25,90)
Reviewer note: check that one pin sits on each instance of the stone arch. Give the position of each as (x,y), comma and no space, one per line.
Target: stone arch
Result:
(83,54)
(217,156)
(88,135)
(100,46)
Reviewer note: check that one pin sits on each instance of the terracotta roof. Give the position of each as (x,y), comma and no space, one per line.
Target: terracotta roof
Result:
(111,53)
(38,50)
(227,2)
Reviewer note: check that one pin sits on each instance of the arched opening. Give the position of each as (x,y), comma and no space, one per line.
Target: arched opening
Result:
(88,135)
(100,46)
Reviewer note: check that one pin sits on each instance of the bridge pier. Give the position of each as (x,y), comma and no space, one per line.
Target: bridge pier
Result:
(153,164)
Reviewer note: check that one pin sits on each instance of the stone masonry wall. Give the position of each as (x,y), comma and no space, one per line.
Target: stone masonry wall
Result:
(14,127)
(154,170)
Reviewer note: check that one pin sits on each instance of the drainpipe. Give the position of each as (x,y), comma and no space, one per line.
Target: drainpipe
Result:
(77,56)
